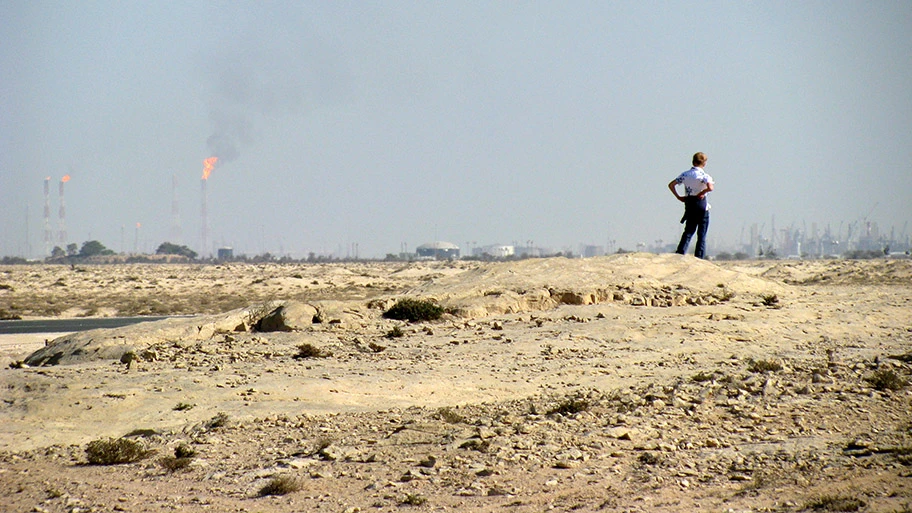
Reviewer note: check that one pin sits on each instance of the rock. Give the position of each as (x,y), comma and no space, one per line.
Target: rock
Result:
(333,452)
(410,475)
(288,317)
(339,313)
(678,402)
(620,432)
(573,454)
(128,358)
(485,433)
(769,388)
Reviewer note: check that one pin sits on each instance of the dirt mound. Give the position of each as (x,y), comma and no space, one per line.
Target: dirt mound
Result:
(115,343)
(843,272)
(471,292)
(638,279)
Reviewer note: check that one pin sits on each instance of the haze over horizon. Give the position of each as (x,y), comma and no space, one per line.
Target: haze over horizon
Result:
(383,123)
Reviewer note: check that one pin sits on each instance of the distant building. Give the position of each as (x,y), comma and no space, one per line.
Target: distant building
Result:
(589,251)
(495,250)
(438,251)
(225,253)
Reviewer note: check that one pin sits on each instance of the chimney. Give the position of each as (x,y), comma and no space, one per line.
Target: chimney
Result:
(204,230)
(61,217)
(176,234)
(47,216)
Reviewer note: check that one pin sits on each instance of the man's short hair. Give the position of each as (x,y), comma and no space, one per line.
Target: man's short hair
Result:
(699,159)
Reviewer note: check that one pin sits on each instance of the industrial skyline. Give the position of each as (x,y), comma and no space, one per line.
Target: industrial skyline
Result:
(818,240)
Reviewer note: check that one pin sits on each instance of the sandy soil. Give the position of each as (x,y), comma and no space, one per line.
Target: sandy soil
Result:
(625,383)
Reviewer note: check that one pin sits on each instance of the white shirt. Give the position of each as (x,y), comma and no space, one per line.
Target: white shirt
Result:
(694,180)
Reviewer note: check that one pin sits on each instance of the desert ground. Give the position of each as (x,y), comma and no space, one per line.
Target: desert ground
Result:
(631,382)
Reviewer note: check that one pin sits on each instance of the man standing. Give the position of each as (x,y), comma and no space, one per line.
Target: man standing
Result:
(697,184)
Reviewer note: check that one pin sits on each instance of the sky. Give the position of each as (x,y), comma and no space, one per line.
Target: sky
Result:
(369,127)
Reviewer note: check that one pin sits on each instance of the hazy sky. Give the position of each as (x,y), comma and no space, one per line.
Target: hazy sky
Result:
(383,123)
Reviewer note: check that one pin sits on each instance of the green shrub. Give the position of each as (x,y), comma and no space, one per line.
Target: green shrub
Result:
(414,310)
(114,451)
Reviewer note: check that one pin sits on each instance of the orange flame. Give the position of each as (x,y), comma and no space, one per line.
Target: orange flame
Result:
(138,226)
(65,179)
(208,166)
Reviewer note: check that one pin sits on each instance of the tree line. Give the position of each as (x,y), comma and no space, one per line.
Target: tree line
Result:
(93,248)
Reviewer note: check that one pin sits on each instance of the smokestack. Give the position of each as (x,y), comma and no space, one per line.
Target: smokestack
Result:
(47,216)
(61,216)
(204,230)
(208,166)
(176,234)
(28,240)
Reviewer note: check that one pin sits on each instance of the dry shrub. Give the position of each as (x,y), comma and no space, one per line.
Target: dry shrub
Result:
(414,499)
(770,300)
(280,485)
(835,503)
(113,451)
(701,377)
(649,458)
(570,406)
(885,379)
(219,421)
(184,451)
(174,464)
(764,366)
(450,416)
(306,350)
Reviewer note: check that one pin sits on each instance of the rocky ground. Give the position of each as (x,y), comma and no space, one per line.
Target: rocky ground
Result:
(629,383)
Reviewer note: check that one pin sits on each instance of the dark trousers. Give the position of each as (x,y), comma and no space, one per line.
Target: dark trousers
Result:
(696,220)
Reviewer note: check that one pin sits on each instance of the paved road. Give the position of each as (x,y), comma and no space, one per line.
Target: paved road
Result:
(69,325)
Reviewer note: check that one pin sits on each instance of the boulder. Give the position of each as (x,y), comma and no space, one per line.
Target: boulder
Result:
(289,317)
